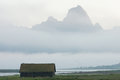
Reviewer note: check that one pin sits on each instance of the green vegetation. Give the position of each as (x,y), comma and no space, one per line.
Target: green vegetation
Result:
(68,77)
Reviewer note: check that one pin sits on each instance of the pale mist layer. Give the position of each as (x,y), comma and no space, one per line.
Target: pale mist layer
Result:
(75,34)
(61,60)
(29,41)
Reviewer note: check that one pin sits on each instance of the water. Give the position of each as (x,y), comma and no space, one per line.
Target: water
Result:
(8,74)
(79,70)
(65,71)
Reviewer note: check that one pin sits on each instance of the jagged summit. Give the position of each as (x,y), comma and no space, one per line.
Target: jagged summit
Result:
(78,16)
(76,20)
(77,12)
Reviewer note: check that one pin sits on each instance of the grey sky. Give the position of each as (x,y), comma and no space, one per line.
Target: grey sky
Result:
(17,44)
(30,12)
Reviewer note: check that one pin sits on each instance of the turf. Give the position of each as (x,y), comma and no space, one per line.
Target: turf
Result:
(67,77)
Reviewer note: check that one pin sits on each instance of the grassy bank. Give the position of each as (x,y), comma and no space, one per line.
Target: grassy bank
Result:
(68,77)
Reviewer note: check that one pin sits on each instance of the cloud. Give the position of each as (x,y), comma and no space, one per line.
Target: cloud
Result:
(30,41)
(75,34)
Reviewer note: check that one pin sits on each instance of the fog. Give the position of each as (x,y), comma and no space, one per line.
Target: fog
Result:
(61,60)
(30,41)
(75,34)
(73,42)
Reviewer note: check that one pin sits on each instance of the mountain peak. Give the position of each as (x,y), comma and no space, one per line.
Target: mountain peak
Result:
(78,9)
(76,20)
(77,15)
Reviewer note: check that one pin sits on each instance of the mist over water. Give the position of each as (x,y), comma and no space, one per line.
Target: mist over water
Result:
(64,60)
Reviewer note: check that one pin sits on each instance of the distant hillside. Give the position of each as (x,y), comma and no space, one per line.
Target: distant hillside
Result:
(115,66)
(9,70)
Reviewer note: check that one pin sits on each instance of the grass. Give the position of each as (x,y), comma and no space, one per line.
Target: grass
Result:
(67,77)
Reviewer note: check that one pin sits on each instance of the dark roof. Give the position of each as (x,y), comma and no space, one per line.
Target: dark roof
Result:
(38,68)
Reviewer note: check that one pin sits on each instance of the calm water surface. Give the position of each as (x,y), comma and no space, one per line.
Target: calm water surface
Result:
(62,71)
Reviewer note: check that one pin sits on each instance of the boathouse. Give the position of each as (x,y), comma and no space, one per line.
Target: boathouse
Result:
(37,70)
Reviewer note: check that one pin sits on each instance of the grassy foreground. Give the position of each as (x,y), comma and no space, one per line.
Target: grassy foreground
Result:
(68,77)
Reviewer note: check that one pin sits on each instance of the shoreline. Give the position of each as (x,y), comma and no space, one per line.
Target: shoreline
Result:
(72,73)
